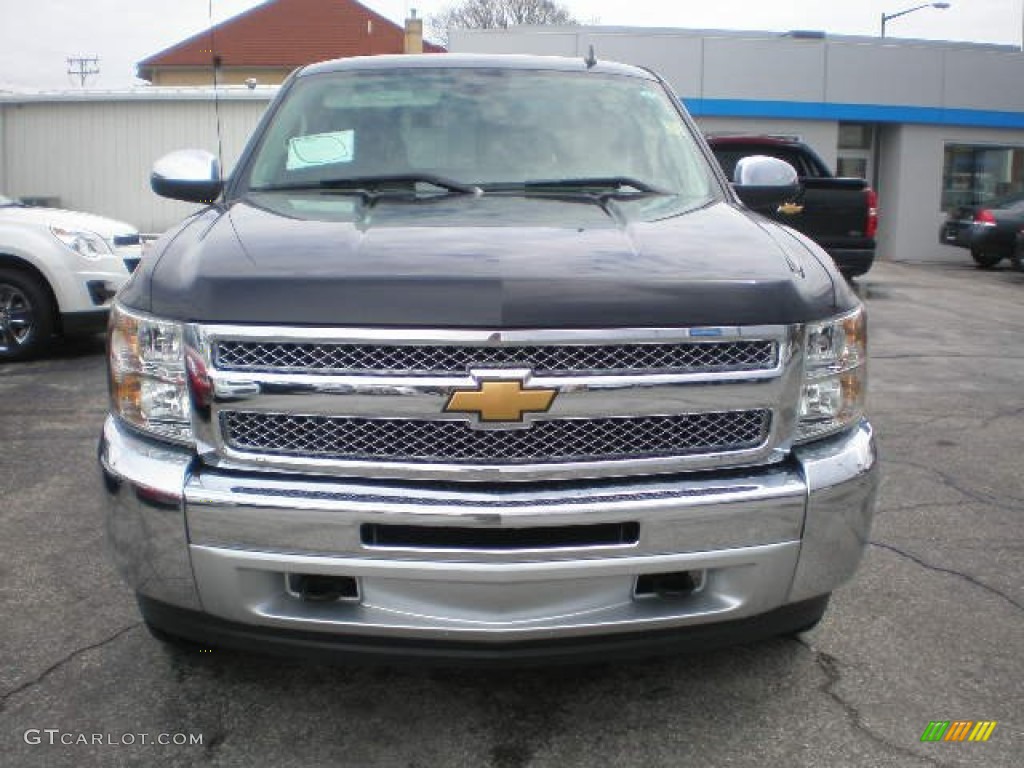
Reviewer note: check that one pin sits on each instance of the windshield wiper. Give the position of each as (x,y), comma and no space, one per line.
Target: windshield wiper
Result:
(372,186)
(616,183)
(599,187)
(441,182)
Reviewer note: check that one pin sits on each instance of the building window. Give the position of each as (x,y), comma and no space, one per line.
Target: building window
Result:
(852,166)
(856,151)
(855,135)
(977,175)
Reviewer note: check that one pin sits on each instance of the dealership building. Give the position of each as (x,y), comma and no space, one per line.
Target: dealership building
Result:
(930,124)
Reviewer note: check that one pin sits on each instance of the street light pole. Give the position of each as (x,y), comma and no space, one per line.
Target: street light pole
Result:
(890,16)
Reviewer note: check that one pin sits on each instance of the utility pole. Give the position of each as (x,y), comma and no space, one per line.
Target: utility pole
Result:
(83,67)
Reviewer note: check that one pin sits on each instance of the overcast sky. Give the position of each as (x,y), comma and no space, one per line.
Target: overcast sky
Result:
(37,36)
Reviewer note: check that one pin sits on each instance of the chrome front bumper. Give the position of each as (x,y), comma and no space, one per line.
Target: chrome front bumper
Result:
(224,543)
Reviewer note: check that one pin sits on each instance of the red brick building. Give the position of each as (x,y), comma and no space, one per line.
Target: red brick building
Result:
(269,41)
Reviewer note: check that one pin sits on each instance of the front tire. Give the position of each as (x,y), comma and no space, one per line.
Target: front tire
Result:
(811,621)
(985,259)
(171,640)
(26,315)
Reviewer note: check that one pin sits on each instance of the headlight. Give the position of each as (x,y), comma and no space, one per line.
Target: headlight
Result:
(835,375)
(148,388)
(89,245)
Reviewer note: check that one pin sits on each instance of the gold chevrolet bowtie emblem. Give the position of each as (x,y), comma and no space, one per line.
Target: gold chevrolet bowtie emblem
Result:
(791,209)
(500,401)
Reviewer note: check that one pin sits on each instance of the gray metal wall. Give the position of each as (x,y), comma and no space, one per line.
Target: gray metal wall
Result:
(95,155)
(768,66)
(891,74)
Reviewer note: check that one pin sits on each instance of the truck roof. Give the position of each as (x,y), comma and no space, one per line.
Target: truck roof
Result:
(474,61)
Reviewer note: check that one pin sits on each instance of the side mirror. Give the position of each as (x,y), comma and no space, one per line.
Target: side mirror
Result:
(192,175)
(764,183)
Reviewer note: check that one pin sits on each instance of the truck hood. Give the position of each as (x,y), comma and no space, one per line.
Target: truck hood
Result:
(496,261)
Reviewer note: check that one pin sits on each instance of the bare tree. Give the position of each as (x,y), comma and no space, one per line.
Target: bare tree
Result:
(496,14)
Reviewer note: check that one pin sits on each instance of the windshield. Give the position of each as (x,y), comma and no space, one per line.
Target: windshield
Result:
(492,128)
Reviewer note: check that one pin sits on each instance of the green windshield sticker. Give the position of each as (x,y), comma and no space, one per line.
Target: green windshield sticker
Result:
(320,149)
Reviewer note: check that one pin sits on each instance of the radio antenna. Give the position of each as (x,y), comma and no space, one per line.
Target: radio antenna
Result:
(215,60)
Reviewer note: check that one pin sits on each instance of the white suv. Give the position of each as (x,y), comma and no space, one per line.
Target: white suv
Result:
(58,272)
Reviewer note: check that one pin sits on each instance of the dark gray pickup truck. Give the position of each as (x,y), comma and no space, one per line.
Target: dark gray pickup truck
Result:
(839,214)
(483,357)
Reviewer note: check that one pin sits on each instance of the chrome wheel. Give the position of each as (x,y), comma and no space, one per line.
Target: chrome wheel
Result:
(17,319)
(27,315)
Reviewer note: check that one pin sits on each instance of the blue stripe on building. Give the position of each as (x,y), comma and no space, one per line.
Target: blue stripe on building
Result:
(854,113)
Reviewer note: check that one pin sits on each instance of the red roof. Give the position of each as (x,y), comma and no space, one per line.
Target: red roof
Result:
(288,33)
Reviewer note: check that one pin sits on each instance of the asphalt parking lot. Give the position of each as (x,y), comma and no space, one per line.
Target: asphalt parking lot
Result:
(932,628)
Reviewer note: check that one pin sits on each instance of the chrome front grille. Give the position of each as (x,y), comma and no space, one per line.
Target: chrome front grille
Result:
(543,360)
(454,442)
(377,403)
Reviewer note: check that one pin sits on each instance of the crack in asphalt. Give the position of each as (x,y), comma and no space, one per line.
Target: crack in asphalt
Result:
(61,662)
(212,747)
(919,505)
(914,429)
(1002,415)
(951,482)
(946,356)
(950,571)
(829,665)
(927,420)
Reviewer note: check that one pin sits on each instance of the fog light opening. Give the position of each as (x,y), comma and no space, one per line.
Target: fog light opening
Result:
(669,586)
(318,588)
(100,291)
